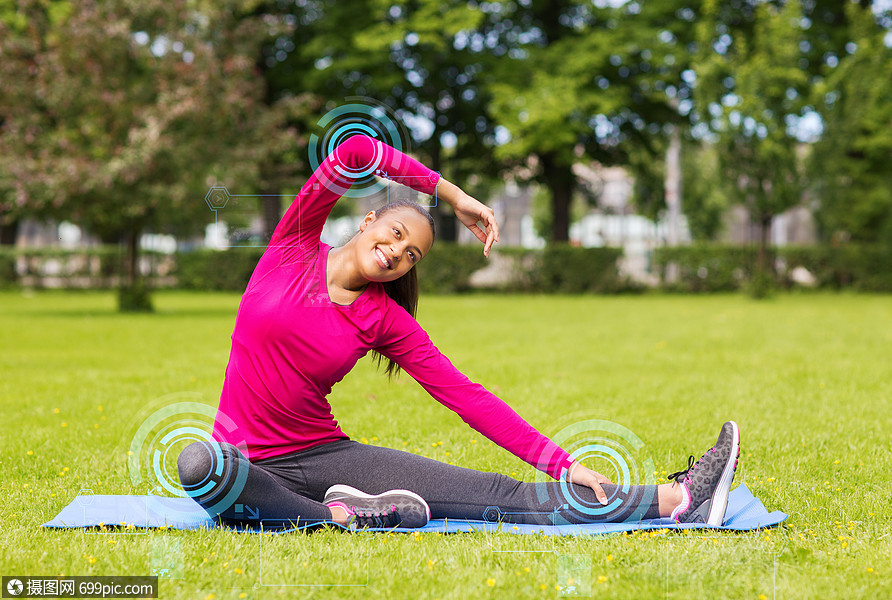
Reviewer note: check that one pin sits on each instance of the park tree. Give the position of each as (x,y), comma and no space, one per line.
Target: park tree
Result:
(422,60)
(749,87)
(591,82)
(120,115)
(849,166)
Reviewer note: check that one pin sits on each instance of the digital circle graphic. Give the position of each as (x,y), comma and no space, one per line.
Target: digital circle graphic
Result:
(158,441)
(617,453)
(359,116)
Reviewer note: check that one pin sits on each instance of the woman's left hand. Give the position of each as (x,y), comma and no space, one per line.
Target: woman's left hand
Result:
(471,212)
(581,475)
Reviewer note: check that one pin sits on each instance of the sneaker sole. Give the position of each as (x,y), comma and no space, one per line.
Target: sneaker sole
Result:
(337,493)
(719,502)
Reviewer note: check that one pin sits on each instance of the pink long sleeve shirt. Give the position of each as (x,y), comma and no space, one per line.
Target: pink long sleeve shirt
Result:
(291,343)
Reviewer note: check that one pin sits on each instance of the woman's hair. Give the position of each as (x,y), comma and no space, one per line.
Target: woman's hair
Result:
(403,291)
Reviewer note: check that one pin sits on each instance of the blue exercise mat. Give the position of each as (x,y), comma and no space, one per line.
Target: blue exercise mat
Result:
(745,512)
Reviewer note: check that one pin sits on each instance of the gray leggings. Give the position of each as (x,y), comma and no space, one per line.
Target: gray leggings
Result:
(290,488)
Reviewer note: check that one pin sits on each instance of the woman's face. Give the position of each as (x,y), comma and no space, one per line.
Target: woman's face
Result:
(390,244)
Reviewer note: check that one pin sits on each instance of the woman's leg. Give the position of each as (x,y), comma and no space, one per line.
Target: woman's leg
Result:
(459,493)
(227,485)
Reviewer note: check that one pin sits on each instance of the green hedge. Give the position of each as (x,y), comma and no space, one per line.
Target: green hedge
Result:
(571,270)
(448,267)
(719,268)
(8,277)
(862,267)
(705,267)
(94,267)
(227,270)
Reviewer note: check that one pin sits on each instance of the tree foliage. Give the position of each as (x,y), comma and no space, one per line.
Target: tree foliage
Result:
(120,115)
(749,92)
(850,164)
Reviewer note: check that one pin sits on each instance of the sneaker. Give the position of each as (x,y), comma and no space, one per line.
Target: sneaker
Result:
(395,508)
(705,484)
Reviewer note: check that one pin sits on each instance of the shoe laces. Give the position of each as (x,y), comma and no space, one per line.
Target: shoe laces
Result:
(386,518)
(685,474)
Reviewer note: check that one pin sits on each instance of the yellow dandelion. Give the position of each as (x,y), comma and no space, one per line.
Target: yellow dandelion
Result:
(374,438)
(56,410)
(526,569)
(30,452)
(210,597)
(609,557)
(516,528)
(92,559)
(433,444)
(870,569)
(763,597)
(490,582)
(473,441)
(243,595)
(543,586)
(64,424)
(405,443)
(845,544)
(602,578)
(99,408)
(364,440)
(239,571)
(836,462)
(95,425)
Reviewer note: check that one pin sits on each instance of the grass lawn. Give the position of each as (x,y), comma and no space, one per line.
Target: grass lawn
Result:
(807,377)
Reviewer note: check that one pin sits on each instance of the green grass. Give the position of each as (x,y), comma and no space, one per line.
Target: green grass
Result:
(807,377)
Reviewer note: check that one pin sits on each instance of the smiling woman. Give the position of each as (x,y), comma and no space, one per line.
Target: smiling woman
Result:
(310,312)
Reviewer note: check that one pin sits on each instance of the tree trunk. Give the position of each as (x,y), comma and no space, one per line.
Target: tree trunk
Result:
(8,232)
(763,279)
(560,181)
(133,294)
(444,218)
(271,206)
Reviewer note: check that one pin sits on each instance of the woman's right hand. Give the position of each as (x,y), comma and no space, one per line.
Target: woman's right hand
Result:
(581,475)
(472,213)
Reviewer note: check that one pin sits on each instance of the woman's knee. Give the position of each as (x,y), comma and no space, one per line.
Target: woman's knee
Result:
(195,463)
(199,460)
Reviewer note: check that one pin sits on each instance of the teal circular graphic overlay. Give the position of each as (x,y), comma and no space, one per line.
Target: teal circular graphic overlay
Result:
(361,116)
(158,441)
(614,451)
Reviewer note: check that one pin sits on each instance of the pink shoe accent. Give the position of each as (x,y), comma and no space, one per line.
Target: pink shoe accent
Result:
(685,501)
(350,512)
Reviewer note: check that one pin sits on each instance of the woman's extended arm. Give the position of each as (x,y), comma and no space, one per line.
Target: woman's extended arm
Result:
(403,340)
